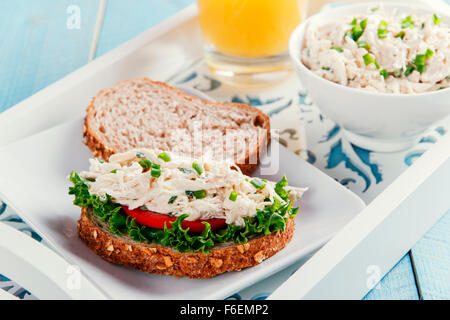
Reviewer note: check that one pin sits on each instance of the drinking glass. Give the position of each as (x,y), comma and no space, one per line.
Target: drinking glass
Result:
(246,41)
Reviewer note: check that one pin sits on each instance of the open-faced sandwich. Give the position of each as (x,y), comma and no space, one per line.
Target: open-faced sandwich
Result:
(163,213)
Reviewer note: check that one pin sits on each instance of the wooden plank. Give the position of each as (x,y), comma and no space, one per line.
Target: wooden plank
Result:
(398,284)
(431,260)
(123,20)
(41,43)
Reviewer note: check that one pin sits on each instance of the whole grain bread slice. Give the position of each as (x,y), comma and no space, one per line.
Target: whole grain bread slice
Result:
(154,258)
(141,113)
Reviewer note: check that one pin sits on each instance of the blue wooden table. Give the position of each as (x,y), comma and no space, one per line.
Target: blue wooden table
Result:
(42,41)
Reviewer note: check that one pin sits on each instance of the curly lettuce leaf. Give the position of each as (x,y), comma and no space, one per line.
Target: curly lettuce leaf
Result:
(271,219)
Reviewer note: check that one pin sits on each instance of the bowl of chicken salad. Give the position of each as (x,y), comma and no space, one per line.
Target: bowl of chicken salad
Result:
(380,71)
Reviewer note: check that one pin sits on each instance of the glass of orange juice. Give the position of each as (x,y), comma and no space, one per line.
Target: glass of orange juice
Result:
(246,41)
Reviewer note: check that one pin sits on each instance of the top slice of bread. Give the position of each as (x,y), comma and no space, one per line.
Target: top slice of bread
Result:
(141,113)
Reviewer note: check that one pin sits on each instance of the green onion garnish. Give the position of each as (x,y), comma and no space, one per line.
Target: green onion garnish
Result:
(363,44)
(436,19)
(429,53)
(114,171)
(140,155)
(326,68)
(233,195)
(199,194)
(375,9)
(145,163)
(409,70)
(408,23)
(368,59)
(400,35)
(363,24)
(384,73)
(338,49)
(172,199)
(382,29)
(358,30)
(420,61)
(187,171)
(155,170)
(164,156)
(197,167)
(258,183)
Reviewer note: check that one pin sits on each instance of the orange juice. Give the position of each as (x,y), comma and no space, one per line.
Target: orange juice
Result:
(249,28)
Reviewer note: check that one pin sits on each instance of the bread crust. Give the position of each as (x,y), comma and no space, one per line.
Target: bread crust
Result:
(154,258)
(100,149)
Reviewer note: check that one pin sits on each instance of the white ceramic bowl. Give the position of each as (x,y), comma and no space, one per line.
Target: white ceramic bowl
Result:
(375,121)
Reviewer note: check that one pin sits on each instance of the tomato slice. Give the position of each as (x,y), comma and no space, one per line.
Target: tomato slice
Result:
(157,220)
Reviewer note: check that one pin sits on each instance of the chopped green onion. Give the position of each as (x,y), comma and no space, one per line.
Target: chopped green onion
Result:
(164,156)
(423,25)
(114,171)
(233,195)
(400,35)
(140,155)
(409,70)
(199,194)
(368,59)
(172,199)
(408,23)
(420,60)
(436,19)
(338,49)
(382,29)
(197,167)
(145,163)
(375,9)
(155,170)
(363,44)
(363,24)
(358,30)
(187,171)
(429,53)
(101,160)
(326,68)
(384,73)
(258,183)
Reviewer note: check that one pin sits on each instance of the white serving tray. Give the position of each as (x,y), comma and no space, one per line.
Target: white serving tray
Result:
(178,43)
(38,191)
(41,269)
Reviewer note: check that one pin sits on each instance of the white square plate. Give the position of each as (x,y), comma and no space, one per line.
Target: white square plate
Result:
(33,180)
